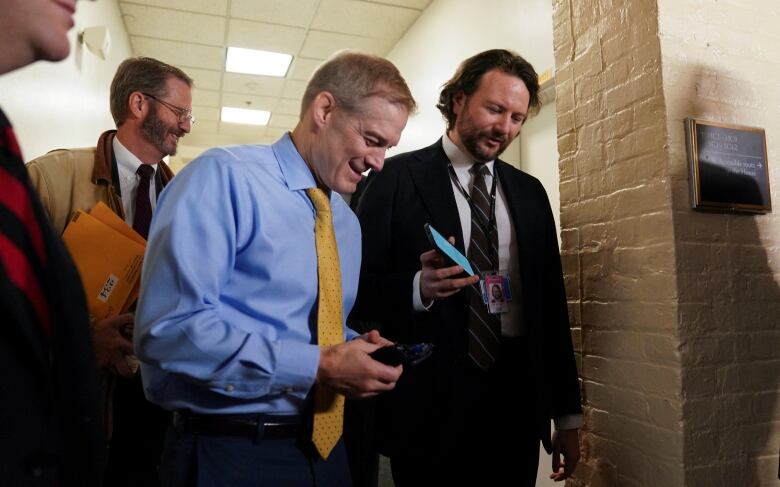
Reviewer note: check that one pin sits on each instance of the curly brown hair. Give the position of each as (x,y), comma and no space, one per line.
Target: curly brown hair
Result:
(469,74)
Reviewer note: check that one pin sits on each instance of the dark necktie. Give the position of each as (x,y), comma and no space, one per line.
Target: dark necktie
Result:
(484,328)
(22,249)
(143,205)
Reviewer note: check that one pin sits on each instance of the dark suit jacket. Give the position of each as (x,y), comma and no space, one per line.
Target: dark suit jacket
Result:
(50,430)
(414,189)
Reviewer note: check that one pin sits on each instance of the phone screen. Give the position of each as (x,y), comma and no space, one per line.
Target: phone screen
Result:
(446,248)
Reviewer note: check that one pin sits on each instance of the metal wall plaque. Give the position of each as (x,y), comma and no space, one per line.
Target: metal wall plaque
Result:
(728,167)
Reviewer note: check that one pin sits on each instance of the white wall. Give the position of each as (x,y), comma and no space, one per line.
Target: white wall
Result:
(65,104)
(448,32)
(539,155)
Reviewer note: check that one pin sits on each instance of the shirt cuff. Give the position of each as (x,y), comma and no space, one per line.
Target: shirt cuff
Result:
(296,368)
(568,422)
(417,301)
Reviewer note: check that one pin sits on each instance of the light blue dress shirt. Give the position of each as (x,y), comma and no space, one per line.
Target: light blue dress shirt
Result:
(228,310)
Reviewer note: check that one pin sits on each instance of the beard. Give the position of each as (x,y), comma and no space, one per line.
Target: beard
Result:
(156,132)
(471,134)
(471,137)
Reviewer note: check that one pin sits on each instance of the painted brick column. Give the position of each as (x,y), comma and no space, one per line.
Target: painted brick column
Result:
(676,314)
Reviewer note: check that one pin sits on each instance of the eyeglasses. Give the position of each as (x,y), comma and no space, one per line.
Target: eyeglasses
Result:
(183,114)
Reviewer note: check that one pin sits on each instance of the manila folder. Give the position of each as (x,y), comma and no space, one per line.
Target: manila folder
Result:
(108,261)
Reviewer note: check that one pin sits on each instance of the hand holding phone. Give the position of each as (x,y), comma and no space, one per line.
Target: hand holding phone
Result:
(452,254)
(398,354)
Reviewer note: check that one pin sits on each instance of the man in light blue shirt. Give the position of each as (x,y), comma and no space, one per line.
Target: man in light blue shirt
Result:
(226,328)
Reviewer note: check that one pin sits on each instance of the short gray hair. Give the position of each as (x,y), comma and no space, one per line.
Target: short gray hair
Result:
(351,77)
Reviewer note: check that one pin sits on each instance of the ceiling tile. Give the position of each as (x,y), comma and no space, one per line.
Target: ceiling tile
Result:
(283,121)
(266,37)
(416,4)
(180,53)
(252,85)
(267,103)
(364,18)
(215,7)
(288,106)
(191,34)
(302,68)
(240,129)
(205,98)
(201,127)
(205,79)
(205,114)
(298,13)
(215,139)
(173,25)
(294,89)
(321,45)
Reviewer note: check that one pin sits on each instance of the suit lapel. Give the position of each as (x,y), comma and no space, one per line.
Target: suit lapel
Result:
(433,185)
(521,210)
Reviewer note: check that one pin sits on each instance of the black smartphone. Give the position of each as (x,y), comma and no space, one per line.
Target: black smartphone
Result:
(402,354)
(448,250)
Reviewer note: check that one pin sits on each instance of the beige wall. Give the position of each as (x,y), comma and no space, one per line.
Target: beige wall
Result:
(722,64)
(676,311)
(65,104)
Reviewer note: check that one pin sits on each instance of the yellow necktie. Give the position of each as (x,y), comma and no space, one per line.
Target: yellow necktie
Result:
(328,405)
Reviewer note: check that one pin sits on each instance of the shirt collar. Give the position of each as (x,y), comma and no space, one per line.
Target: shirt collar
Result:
(460,160)
(127,161)
(295,171)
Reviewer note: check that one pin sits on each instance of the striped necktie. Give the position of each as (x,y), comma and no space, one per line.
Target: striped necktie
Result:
(328,405)
(22,250)
(484,328)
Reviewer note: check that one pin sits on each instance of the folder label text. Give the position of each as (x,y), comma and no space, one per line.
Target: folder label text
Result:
(108,288)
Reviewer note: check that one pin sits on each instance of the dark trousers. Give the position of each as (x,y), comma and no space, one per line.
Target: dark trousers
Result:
(359,439)
(198,460)
(488,436)
(138,436)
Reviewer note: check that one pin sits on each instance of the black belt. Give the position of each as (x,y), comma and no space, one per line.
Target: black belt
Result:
(255,426)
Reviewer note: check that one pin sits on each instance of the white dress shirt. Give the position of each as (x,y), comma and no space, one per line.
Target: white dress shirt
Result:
(508,259)
(127,165)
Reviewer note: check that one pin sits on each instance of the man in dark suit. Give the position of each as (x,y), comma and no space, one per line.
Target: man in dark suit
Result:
(473,413)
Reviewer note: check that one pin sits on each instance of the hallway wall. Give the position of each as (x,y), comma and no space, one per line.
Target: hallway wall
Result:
(721,64)
(678,309)
(65,104)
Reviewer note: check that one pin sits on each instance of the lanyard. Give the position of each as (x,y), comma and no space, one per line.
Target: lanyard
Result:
(486,226)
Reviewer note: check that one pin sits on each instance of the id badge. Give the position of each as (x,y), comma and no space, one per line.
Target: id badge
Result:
(496,293)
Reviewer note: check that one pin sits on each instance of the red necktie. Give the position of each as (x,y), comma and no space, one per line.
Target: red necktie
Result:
(22,250)
(143,205)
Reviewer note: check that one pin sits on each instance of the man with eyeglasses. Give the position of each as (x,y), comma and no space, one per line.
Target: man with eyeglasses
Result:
(150,103)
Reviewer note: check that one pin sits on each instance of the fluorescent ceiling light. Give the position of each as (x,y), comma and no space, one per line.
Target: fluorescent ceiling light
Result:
(245,115)
(252,61)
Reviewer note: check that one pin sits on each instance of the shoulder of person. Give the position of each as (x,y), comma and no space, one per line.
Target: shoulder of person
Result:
(82,155)
(518,176)
(61,164)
